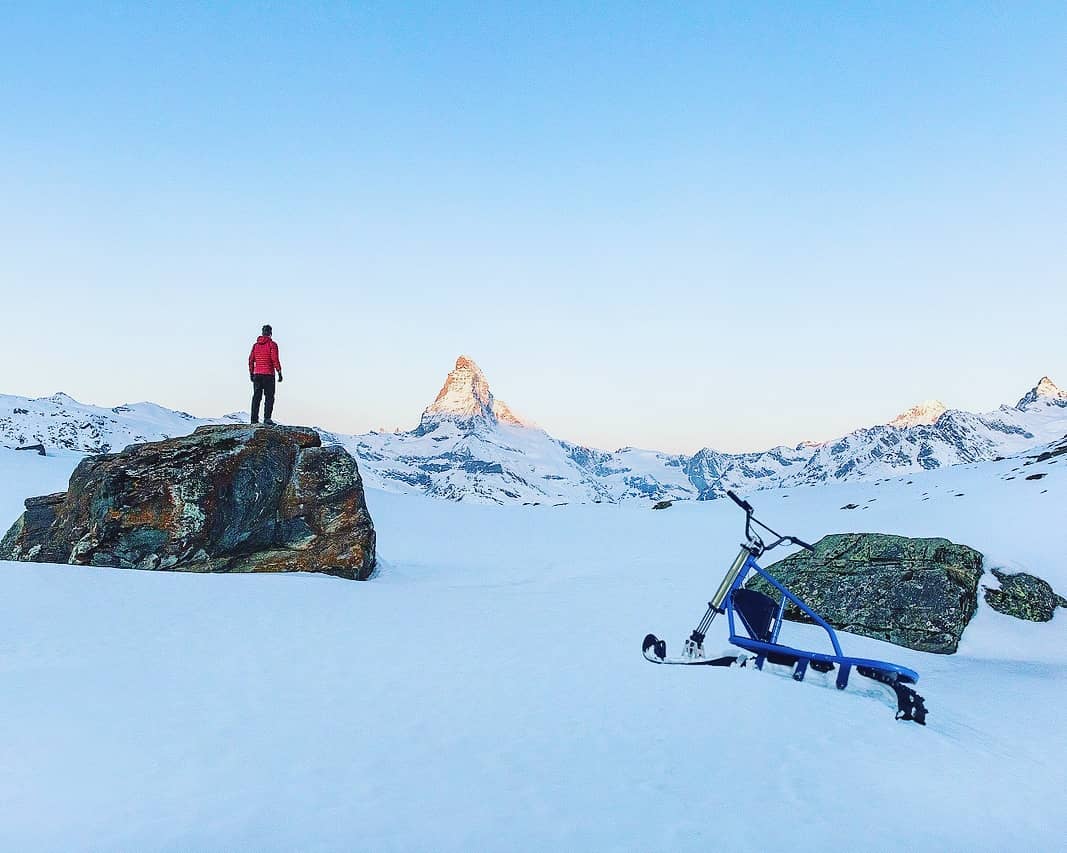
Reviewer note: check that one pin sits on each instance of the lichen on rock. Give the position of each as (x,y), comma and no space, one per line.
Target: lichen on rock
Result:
(1023,596)
(228,498)
(918,593)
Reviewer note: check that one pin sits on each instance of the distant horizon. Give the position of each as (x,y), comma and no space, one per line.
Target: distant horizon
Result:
(658,226)
(535,422)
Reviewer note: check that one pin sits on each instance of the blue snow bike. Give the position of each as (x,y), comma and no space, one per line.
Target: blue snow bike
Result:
(760,619)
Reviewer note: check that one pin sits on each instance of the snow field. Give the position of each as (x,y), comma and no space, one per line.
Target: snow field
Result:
(486,691)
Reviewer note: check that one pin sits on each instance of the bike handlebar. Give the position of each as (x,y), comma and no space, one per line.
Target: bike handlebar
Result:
(745,505)
(750,518)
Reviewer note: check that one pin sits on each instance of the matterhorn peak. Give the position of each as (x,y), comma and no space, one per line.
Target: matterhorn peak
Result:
(926,412)
(465,392)
(465,397)
(1045,390)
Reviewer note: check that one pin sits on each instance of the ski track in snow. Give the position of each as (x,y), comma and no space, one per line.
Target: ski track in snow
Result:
(486,690)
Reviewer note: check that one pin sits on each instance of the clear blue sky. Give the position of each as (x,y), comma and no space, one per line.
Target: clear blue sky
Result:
(668,225)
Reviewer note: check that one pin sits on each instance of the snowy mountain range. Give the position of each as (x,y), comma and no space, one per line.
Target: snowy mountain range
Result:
(465,448)
(61,421)
(469,445)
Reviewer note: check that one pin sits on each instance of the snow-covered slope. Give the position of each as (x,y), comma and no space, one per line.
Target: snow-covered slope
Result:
(487,692)
(469,445)
(60,421)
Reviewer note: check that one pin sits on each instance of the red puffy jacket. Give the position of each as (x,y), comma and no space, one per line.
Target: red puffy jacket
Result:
(263,360)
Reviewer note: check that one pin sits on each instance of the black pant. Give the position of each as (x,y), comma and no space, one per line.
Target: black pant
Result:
(264,385)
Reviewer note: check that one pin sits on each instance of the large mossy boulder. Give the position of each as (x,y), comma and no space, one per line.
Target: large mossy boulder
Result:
(1024,597)
(228,498)
(918,593)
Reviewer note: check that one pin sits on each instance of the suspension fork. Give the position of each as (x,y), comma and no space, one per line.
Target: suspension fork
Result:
(694,646)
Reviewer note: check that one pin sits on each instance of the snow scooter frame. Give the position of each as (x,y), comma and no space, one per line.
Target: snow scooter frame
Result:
(761,618)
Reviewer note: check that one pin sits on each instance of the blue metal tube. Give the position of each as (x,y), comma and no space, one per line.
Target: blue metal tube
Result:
(752,564)
(762,649)
(778,620)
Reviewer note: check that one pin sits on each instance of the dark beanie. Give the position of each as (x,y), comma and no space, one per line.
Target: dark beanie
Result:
(267,329)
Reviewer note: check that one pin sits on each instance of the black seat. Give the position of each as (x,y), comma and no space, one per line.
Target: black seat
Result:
(757,612)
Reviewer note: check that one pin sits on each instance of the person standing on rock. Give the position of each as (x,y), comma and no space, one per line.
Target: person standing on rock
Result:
(263,362)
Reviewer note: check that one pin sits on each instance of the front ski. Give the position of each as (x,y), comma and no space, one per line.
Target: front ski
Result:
(655,651)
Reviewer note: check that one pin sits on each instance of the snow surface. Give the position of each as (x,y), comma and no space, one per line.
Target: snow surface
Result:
(486,690)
